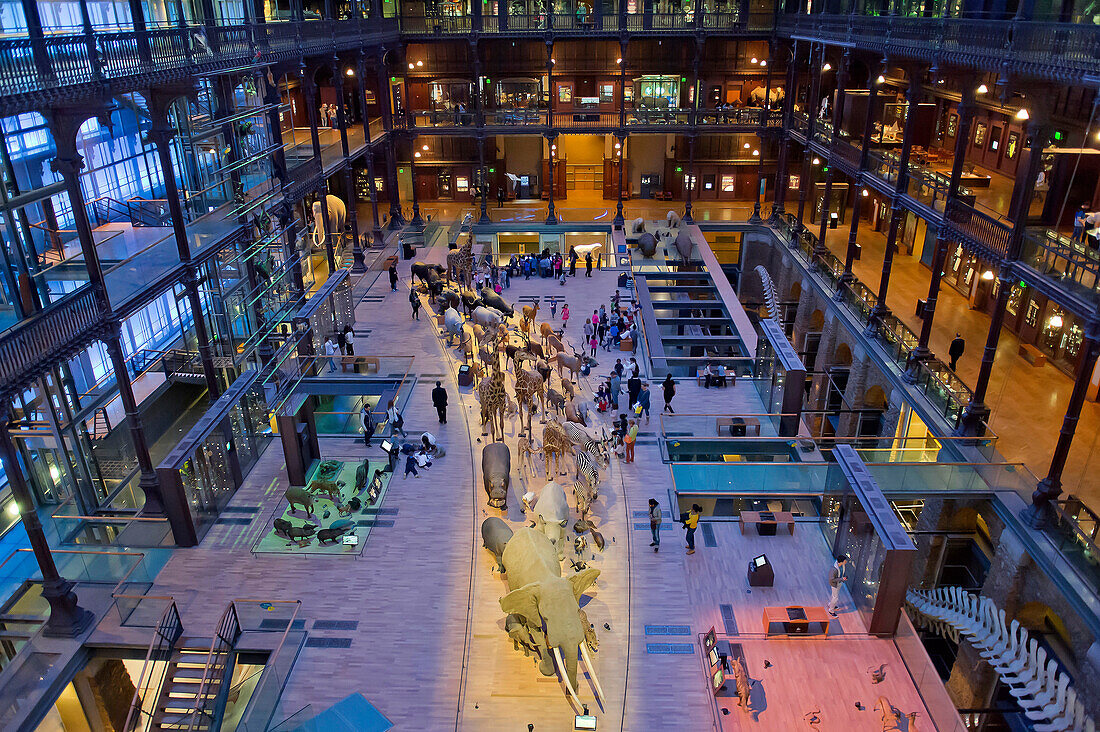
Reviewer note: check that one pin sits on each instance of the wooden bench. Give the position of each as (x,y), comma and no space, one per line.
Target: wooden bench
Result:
(1032,355)
(389,261)
(752,425)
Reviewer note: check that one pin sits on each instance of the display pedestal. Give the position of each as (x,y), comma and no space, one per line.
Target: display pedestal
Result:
(465,375)
(761,575)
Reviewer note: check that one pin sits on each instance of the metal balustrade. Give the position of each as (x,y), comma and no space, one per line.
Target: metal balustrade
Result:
(56,61)
(1053,50)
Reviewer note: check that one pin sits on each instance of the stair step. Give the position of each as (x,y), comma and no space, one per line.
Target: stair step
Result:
(181,673)
(174,721)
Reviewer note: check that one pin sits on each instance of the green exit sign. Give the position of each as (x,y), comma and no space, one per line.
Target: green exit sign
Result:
(1058,135)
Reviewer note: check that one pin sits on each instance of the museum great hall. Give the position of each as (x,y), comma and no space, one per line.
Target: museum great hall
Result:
(641,365)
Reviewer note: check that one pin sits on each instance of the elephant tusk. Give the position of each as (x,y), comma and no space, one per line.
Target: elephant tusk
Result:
(565,677)
(591,670)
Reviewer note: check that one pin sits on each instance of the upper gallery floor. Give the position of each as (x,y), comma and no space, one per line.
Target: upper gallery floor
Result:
(51,51)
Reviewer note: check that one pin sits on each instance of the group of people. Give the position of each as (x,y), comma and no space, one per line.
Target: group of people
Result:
(609,331)
(547,264)
(330,116)
(343,345)
(690,522)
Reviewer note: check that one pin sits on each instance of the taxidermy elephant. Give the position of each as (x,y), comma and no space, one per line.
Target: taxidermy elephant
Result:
(647,245)
(496,302)
(496,468)
(337,213)
(552,514)
(541,597)
(684,245)
(494,535)
(452,323)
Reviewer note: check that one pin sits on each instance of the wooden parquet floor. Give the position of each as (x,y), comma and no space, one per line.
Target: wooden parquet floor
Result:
(430,651)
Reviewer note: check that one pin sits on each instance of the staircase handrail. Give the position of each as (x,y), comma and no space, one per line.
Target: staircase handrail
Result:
(221,646)
(269,686)
(165,635)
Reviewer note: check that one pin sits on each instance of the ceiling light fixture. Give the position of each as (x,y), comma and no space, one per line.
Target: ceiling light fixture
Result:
(1022,114)
(881,79)
(827,67)
(982,89)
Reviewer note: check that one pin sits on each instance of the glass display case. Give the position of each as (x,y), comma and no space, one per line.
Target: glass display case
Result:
(657,92)
(445,95)
(206,467)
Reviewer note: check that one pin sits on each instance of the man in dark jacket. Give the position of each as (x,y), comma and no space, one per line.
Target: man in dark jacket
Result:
(633,389)
(955,350)
(439,400)
(393,278)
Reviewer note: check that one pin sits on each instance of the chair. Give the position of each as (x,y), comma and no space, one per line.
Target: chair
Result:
(1052,703)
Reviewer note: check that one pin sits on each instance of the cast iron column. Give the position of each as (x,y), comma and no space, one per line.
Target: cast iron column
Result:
(620,156)
(416,220)
(484,218)
(150,486)
(161,135)
(385,100)
(67,619)
(853,230)
(690,176)
(361,71)
(358,263)
(897,210)
(1050,487)
(782,178)
(551,217)
(976,412)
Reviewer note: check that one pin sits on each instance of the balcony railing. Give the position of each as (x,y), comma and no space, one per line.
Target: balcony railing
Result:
(1051,49)
(989,235)
(36,344)
(930,376)
(29,65)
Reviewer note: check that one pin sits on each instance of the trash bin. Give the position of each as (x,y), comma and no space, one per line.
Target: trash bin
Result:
(737,427)
(408,251)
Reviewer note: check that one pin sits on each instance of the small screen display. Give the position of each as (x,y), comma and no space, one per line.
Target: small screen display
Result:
(387,446)
(713,657)
(759,561)
(710,639)
(717,679)
(584,721)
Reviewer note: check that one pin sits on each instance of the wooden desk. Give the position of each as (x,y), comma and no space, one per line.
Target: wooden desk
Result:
(722,425)
(755,518)
(779,615)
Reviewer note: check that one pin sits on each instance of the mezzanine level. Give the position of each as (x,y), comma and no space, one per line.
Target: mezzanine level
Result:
(1048,50)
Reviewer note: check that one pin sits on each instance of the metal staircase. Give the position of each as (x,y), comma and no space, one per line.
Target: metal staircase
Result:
(183,685)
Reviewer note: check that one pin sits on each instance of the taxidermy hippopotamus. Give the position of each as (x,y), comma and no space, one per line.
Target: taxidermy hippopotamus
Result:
(541,598)
(496,468)
(494,535)
(647,245)
(684,245)
(496,302)
(551,515)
